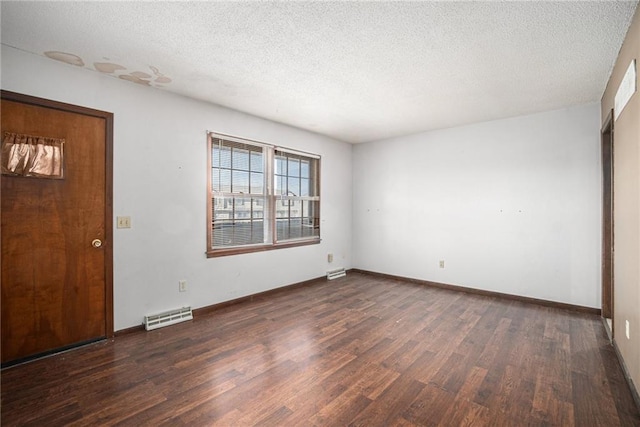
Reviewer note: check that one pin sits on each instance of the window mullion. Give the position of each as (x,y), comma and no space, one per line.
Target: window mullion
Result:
(270,222)
(233,230)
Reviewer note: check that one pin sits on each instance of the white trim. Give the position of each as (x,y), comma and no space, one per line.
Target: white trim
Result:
(239,139)
(297,152)
(242,140)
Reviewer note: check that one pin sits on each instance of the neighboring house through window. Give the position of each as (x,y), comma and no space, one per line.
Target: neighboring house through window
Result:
(260,196)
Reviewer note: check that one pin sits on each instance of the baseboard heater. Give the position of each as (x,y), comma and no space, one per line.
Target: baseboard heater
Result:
(167,318)
(335,274)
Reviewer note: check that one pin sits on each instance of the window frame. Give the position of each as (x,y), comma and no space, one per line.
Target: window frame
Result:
(271,198)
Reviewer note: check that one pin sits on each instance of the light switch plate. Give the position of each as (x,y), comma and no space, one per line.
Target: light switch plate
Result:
(123,222)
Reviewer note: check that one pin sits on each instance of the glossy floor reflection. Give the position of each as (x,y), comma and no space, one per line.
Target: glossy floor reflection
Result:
(360,350)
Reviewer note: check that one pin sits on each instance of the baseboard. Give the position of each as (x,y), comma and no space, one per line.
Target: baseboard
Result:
(215,307)
(546,303)
(128,331)
(219,306)
(627,375)
(607,329)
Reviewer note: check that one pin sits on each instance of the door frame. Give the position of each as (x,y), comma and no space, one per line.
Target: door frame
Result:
(608,280)
(108,214)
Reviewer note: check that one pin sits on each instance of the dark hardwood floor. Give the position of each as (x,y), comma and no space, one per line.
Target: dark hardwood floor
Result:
(361,351)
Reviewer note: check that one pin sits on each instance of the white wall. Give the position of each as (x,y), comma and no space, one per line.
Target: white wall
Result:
(511,206)
(626,215)
(160,181)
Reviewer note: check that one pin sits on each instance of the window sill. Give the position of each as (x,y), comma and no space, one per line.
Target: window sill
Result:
(215,253)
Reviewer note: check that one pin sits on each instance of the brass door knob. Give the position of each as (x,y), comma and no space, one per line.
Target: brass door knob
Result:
(96,243)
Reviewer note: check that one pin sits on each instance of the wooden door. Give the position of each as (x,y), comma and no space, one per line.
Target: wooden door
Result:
(56,284)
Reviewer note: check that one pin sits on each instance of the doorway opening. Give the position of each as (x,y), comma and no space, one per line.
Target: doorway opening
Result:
(607,226)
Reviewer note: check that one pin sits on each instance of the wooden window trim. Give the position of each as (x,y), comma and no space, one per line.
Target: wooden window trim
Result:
(269,195)
(215,253)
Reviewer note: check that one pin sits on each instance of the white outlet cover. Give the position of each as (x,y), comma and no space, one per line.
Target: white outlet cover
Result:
(626,328)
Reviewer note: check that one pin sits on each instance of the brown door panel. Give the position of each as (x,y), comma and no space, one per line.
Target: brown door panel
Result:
(55,284)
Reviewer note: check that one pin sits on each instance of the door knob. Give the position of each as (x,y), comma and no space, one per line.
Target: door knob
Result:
(96,243)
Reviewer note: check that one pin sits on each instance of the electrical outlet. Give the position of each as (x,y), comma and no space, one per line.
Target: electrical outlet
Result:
(441,263)
(329,257)
(123,222)
(626,328)
(182,285)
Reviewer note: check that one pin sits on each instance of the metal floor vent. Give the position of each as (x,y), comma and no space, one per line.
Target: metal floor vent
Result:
(334,274)
(167,318)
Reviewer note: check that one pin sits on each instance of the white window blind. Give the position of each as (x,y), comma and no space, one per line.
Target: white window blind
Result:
(260,195)
(298,201)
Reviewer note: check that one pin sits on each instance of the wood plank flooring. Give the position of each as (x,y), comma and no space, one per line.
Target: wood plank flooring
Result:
(359,351)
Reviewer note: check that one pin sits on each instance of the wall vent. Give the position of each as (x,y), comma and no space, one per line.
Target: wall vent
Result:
(334,274)
(167,318)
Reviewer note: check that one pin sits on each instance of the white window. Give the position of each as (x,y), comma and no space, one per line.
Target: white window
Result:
(260,196)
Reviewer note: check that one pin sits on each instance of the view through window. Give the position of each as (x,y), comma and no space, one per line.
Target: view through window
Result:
(260,196)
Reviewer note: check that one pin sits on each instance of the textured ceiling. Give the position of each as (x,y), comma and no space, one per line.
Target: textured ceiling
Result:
(356,71)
